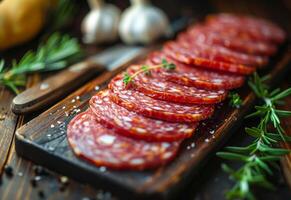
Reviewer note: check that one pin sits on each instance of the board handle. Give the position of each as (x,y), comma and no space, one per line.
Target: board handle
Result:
(51,89)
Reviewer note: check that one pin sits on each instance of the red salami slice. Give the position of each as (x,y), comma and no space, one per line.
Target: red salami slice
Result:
(223,53)
(172,92)
(103,147)
(256,28)
(217,53)
(190,75)
(206,35)
(184,56)
(134,125)
(158,109)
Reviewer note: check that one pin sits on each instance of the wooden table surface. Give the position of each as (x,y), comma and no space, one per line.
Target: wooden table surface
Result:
(211,182)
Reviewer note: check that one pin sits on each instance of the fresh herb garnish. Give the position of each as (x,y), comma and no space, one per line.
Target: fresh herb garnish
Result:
(147,70)
(261,154)
(167,65)
(234,100)
(55,54)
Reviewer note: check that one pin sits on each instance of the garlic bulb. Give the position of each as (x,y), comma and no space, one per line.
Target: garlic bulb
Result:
(143,23)
(101,24)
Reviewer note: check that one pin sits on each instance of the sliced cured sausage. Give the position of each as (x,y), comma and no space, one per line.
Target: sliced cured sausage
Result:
(134,125)
(103,147)
(256,28)
(206,35)
(172,92)
(216,53)
(191,75)
(138,102)
(184,56)
(223,53)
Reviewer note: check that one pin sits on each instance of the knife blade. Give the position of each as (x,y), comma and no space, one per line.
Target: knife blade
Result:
(51,89)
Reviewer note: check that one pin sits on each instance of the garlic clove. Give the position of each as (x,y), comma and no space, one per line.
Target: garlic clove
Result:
(143,23)
(101,23)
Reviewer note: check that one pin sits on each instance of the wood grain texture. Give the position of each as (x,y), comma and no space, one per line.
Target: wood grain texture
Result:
(45,136)
(8,122)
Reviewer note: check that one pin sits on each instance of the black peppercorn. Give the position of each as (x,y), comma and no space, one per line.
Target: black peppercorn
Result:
(41,194)
(8,171)
(39,170)
(35,181)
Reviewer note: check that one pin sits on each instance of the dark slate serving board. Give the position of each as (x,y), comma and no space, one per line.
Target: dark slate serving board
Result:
(43,140)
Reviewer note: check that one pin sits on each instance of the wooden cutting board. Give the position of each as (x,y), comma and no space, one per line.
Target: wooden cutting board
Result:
(43,140)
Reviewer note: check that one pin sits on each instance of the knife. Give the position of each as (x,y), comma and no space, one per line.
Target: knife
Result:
(51,89)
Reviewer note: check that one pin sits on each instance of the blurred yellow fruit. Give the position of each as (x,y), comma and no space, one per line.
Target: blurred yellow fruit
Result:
(21,20)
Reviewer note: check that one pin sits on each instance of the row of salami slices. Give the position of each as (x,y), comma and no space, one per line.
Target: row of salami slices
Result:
(141,125)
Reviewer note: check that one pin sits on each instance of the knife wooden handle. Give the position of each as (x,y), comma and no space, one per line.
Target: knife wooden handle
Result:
(51,89)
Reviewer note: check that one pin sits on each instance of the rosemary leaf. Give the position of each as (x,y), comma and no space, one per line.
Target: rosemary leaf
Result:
(260,156)
(282,95)
(234,100)
(56,53)
(147,70)
(126,78)
(232,156)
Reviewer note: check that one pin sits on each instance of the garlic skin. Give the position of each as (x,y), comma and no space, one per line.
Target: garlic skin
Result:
(101,23)
(143,23)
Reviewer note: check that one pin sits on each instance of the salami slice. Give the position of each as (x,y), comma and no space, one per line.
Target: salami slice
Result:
(102,146)
(190,75)
(158,109)
(217,53)
(134,125)
(206,35)
(184,56)
(256,28)
(172,92)
(223,53)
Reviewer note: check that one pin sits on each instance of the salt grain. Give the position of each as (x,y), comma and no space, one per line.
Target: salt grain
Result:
(102,169)
(97,88)
(50,148)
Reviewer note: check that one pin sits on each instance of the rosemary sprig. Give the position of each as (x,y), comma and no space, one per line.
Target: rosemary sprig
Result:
(147,70)
(234,100)
(55,54)
(261,154)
